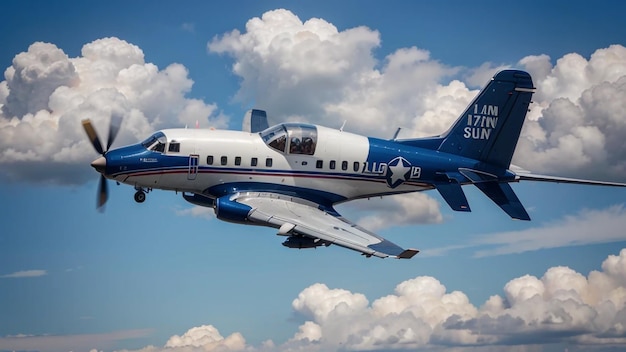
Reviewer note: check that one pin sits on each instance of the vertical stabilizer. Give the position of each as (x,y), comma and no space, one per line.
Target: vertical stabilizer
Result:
(254,121)
(489,128)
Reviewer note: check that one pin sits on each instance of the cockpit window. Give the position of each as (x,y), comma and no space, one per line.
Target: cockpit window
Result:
(275,137)
(174,147)
(158,147)
(302,138)
(156,142)
(291,137)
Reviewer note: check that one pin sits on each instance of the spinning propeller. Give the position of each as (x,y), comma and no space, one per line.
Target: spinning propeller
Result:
(100,163)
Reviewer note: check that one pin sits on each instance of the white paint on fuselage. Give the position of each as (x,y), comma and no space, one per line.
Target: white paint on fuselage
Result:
(297,170)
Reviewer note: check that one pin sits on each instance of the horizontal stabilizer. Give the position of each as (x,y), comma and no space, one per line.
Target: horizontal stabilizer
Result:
(453,194)
(503,195)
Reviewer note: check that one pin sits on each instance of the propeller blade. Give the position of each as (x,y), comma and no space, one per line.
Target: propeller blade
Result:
(103,193)
(93,136)
(114,128)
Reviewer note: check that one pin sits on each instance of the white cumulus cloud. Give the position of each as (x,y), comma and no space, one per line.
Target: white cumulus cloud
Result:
(398,210)
(208,338)
(562,306)
(46,94)
(312,71)
(577,124)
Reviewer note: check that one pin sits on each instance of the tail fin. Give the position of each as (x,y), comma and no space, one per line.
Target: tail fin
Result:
(489,129)
(254,121)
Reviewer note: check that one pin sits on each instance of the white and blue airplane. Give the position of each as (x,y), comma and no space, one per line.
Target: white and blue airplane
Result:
(290,176)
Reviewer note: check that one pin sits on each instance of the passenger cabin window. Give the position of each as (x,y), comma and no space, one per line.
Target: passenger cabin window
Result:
(224,160)
(332,164)
(237,160)
(356,166)
(268,162)
(294,138)
(344,165)
(174,147)
(209,160)
(254,162)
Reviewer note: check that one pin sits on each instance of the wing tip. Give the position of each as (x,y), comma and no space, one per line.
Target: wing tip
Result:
(407,253)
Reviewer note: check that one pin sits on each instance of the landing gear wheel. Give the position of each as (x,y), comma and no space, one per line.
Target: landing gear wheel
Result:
(140,196)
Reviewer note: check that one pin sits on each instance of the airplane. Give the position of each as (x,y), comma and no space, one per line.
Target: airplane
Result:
(290,176)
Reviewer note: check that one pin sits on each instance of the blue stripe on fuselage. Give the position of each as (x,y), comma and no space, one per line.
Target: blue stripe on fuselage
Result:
(136,158)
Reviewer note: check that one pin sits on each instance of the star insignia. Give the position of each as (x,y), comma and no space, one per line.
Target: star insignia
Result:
(398,171)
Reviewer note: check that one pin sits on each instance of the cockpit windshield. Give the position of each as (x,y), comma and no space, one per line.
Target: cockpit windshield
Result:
(275,137)
(293,138)
(156,142)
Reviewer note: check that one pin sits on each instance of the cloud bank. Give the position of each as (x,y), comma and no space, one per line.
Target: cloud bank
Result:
(561,307)
(46,94)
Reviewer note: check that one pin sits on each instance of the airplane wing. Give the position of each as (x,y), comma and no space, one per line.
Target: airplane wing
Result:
(295,217)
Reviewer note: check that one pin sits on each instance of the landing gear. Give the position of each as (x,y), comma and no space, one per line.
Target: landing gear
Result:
(140,196)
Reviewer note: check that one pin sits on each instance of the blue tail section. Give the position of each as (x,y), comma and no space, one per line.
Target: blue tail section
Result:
(502,194)
(488,132)
(452,193)
(489,128)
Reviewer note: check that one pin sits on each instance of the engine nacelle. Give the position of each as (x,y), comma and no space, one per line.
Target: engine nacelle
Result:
(232,211)
(304,242)
(199,199)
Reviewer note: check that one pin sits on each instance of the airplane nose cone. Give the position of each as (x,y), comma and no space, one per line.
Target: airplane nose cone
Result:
(99,164)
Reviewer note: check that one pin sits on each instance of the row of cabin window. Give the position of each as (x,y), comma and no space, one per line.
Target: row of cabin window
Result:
(356,166)
(319,164)
(224,161)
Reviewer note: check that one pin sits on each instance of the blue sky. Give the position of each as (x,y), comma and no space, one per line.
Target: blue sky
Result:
(138,275)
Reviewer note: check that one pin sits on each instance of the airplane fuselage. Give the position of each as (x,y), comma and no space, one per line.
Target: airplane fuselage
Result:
(343,166)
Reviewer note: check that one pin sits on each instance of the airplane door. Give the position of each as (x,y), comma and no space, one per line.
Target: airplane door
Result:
(193,167)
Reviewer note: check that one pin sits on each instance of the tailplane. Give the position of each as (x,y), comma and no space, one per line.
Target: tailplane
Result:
(489,128)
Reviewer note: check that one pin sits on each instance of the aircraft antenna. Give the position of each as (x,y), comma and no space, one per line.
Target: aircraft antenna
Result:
(395,135)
